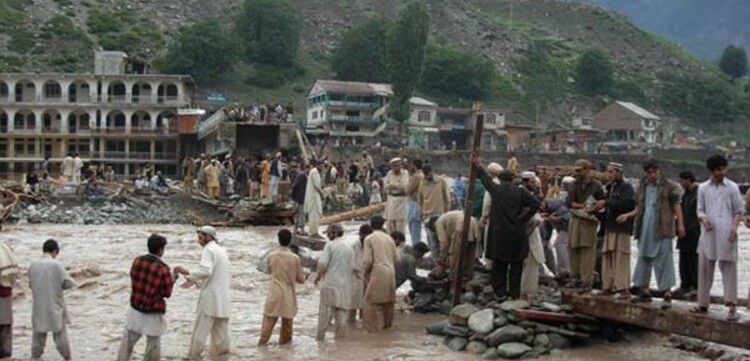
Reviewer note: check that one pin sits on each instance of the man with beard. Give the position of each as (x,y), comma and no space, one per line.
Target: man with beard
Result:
(616,248)
(396,184)
(585,199)
(336,268)
(414,213)
(314,200)
(434,200)
(507,242)
(658,208)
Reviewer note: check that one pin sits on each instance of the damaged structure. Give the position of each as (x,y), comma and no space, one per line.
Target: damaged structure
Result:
(120,115)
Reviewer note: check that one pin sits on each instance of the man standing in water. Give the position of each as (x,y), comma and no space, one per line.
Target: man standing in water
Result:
(48,279)
(285,268)
(8,274)
(719,211)
(214,306)
(658,208)
(336,269)
(379,261)
(396,184)
(151,282)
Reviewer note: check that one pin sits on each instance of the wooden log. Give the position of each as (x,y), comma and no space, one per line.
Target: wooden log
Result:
(710,327)
(315,244)
(542,316)
(357,213)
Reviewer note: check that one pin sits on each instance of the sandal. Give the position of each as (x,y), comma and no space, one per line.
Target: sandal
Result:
(733,316)
(699,310)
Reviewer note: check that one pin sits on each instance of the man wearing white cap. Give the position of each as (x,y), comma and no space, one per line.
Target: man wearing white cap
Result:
(214,307)
(396,184)
(494,170)
(536,257)
(314,200)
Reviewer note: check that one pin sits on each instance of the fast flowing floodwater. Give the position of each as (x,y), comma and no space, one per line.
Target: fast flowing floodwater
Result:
(99,257)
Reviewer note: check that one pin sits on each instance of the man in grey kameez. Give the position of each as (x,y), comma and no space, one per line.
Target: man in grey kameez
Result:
(48,279)
(719,211)
(658,208)
(337,269)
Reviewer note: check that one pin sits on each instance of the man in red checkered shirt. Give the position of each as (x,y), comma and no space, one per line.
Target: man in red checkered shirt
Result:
(152,283)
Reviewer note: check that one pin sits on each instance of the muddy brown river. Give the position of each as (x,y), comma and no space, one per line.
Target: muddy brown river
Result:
(99,258)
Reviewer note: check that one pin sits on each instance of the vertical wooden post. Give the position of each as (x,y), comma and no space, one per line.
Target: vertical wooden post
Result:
(468,209)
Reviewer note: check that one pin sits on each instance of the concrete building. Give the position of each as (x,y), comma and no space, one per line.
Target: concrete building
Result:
(111,116)
(423,121)
(627,122)
(353,109)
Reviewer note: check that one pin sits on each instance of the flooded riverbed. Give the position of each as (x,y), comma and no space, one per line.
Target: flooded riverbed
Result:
(99,258)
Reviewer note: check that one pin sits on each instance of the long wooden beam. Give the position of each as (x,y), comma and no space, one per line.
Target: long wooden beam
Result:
(711,327)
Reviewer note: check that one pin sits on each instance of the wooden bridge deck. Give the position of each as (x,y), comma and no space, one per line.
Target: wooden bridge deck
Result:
(711,327)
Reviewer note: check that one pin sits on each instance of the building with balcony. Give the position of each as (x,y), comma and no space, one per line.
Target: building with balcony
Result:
(340,108)
(457,125)
(627,122)
(114,116)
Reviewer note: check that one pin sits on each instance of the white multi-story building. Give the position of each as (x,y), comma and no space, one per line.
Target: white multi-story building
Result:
(114,116)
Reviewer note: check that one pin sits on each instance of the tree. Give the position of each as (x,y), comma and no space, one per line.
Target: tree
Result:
(733,62)
(205,50)
(594,72)
(405,45)
(451,72)
(361,54)
(270,30)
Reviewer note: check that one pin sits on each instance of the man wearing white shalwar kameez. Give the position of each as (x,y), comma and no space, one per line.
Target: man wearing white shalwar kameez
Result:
(396,184)
(314,201)
(77,166)
(720,209)
(9,272)
(48,279)
(68,164)
(535,259)
(337,269)
(214,306)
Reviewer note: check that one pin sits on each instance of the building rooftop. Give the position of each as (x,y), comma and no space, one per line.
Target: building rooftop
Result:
(422,102)
(350,87)
(645,114)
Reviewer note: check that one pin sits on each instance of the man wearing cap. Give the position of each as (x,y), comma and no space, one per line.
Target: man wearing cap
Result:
(507,242)
(298,195)
(379,263)
(556,212)
(396,185)
(616,248)
(655,214)
(493,170)
(338,271)
(214,307)
(414,212)
(277,171)
(314,200)
(585,199)
(285,268)
(212,179)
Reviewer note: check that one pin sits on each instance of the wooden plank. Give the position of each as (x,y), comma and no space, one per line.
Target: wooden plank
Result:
(677,320)
(356,213)
(468,207)
(316,244)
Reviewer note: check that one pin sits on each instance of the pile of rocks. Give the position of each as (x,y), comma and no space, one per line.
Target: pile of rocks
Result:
(497,332)
(708,350)
(106,211)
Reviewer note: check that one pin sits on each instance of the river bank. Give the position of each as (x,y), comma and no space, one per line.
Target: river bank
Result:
(99,258)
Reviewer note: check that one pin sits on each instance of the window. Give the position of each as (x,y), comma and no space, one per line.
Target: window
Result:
(315,115)
(491,119)
(424,117)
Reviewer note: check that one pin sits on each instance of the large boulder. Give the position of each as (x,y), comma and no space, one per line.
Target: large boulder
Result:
(458,344)
(482,321)
(509,306)
(476,347)
(461,313)
(437,328)
(490,354)
(510,333)
(512,350)
(456,331)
